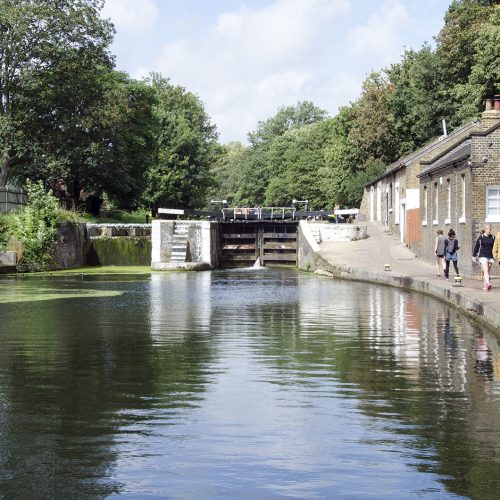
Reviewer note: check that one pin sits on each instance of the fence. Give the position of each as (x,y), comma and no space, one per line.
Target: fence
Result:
(11,198)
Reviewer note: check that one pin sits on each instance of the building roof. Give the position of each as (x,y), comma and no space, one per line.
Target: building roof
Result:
(459,153)
(415,155)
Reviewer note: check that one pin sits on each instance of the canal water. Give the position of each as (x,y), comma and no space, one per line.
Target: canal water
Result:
(249,384)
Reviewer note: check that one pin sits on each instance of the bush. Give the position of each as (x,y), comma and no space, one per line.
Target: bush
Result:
(35,226)
(6,228)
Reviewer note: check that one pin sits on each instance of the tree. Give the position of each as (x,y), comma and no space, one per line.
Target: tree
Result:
(415,102)
(455,41)
(186,149)
(298,157)
(287,117)
(484,78)
(227,172)
(50,54)
(373,132)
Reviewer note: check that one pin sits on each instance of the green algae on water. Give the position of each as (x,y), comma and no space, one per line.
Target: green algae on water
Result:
(35,294)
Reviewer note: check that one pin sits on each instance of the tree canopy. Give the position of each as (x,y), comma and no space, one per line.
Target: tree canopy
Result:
(52,53)
(186,149)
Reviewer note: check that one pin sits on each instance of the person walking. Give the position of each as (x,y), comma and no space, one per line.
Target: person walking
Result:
(451,254)
(439,249)
(483,251)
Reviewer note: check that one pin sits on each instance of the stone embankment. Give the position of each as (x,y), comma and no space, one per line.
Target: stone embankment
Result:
(367,260)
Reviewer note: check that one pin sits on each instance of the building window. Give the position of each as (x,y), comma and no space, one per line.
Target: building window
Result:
(448,202)
(461,219)
(390,195)
(493,204)
(426,205)
(396,204)
(435,221)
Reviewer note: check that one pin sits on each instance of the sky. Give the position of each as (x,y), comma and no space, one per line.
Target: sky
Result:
(245,59)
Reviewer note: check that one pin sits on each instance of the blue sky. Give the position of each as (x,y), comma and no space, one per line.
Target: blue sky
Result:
(246,58)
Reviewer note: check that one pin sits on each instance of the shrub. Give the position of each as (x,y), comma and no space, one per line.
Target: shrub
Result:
(35,226)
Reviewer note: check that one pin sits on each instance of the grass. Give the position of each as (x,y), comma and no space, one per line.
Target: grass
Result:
(116,217)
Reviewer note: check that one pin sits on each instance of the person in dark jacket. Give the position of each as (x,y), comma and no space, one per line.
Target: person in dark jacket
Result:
(450,254)
(483,252)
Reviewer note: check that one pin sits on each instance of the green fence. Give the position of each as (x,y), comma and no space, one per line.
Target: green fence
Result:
(11,198)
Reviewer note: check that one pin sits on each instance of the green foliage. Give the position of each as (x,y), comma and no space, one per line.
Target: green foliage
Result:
(35,226)
(186,148)
(53,54)
(6,225)
(287,118)
(227,171)
(484,77)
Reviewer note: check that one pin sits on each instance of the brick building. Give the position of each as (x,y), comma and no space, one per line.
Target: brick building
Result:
(453,182)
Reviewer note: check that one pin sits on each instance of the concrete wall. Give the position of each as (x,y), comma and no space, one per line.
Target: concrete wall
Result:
(308,258)
(338,232)
(307,248)
(202,249)
(95,230)
(70,246)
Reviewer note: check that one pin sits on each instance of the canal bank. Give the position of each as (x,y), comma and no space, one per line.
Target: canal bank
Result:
(366,260)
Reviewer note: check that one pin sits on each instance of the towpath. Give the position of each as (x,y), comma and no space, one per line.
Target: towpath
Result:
(365,260)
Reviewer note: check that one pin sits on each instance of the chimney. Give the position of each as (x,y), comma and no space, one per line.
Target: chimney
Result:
(491,113)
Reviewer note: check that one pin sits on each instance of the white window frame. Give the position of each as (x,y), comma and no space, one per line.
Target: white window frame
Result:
(492,217)
(462,218)
(435,221)
(426,206)
(448,202)
(396,203)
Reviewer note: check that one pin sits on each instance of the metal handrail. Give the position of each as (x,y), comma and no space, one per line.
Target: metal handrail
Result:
(258,213)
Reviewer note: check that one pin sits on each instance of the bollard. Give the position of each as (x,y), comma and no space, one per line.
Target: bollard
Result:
(458,281)
(387,267)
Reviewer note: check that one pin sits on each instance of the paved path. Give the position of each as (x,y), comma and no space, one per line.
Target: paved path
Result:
(365,260)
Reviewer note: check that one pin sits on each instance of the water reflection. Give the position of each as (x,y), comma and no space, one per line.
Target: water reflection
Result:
(237,383)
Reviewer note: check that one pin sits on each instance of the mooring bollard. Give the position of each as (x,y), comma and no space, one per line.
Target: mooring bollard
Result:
(387,267)
(458,281)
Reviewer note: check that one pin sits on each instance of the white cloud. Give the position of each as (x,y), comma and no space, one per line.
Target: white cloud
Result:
(381,34)
(132,16)
(251,61)
(247,62)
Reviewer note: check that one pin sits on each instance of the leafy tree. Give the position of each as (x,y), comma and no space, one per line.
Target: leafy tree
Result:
(455,42)
(484,78)
(186,145)
(263,162)
(373,132)
(299,156)
(227,171)
(287,117)
(415,102)
(50,54)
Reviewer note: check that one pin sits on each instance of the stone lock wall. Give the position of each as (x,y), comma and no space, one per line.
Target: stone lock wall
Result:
(202,246)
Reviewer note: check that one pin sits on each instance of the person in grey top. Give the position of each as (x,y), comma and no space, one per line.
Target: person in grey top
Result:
(439,249)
